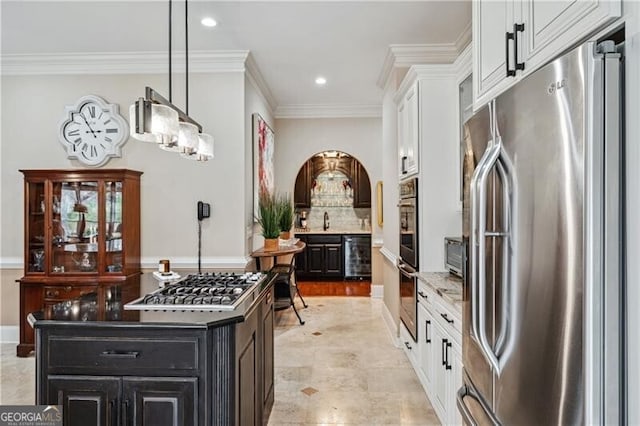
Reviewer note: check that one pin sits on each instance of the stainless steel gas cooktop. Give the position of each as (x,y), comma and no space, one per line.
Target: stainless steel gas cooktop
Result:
(217,291)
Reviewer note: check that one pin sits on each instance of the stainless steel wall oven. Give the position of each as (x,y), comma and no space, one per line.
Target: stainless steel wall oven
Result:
(408,260)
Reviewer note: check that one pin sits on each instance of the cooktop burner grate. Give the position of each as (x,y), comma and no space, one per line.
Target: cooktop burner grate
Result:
(217,291)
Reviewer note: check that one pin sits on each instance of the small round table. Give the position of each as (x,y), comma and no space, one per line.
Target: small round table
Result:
(266,259)
(286,287)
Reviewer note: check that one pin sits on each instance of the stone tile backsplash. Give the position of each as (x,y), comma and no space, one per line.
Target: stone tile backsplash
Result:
(342,218)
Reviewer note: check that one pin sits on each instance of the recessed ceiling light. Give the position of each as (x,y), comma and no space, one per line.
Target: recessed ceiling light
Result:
(208,22)
(321,81)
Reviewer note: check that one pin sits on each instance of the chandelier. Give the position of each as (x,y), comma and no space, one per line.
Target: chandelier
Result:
(157,120)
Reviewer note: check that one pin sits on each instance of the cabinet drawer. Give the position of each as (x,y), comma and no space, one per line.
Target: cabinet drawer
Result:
(324,239)
(426,295)
(55,293)
(75,354)
(450,322)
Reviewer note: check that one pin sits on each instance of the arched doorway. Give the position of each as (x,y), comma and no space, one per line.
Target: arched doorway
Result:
(332,197)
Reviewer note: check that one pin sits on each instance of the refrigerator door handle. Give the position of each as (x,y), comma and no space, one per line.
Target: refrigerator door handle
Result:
(479,234)
(474,240)
(506,173)
(482,417)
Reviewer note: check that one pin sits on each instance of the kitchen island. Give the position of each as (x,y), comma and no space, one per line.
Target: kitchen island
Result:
(167,368)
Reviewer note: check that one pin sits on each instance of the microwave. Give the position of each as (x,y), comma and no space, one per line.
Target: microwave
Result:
(454,255)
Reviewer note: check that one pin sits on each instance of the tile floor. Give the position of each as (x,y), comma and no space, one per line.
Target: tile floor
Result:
(340,368)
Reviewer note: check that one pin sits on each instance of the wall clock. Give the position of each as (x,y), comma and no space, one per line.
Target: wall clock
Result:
(93,130)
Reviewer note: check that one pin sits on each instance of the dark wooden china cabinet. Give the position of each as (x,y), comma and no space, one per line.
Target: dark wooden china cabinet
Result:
(82,235)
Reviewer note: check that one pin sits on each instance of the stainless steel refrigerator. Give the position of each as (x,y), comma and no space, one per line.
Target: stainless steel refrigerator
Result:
(542,216)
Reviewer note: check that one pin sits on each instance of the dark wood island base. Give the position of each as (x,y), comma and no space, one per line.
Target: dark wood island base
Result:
(169,368)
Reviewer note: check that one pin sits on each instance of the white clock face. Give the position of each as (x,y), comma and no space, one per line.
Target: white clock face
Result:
(93,131)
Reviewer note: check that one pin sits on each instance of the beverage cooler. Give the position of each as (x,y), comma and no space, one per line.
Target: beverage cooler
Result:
(357,256)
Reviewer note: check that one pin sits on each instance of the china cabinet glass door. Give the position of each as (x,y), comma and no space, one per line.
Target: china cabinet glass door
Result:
(36,207)
(74,227)
(113,225)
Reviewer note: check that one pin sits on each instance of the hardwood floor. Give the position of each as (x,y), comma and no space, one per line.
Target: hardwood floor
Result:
(335,288)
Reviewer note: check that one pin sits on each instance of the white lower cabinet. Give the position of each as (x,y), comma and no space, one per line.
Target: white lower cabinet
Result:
(425,344)
(437,355)
(408,345)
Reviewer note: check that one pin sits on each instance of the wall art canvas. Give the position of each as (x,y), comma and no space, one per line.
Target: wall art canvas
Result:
(264,146)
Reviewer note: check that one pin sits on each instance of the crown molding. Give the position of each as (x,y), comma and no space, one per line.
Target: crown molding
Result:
(122,63)
(463,64)
(464,39)
(399,56)
(424,72)
(257,80)
(328,111)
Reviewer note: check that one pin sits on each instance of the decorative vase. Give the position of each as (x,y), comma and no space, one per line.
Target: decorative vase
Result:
(270,244)
(285,235)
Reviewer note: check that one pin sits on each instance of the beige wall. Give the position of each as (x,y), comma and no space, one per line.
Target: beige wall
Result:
(390,196)
(254,103)
(32,106)
(9,297)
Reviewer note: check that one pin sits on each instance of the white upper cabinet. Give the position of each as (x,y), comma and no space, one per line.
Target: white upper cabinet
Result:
(491,21)
(513,38)
(408,132)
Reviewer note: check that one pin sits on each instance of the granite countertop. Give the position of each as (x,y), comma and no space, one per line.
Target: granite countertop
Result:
(333,231)
(448,286)
(84,313)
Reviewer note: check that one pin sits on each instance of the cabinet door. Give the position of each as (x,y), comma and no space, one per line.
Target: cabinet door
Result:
(408,120)
(302,188)
(425,344)
(113,226)
(492,19)
(553,26)
(454,383)
(333,259)
(248,401)
(440,373)
(301,258)
(315,258)
(85,400)
(75,227)
(402,143)
(34,226)
(267,356)
(361,186)
(159,401)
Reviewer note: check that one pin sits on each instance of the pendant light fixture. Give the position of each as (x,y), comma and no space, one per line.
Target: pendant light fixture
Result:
(156,119)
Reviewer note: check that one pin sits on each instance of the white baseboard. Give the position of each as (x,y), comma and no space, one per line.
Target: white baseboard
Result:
(391,326)
(377,291)
(9,334)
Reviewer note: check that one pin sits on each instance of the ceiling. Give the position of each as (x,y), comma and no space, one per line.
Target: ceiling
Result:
(292,42)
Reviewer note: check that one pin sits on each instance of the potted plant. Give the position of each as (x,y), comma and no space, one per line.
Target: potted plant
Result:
(269,220)
(286,216)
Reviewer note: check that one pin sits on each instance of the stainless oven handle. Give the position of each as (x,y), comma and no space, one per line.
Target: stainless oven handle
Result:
(402,267)
(401,204)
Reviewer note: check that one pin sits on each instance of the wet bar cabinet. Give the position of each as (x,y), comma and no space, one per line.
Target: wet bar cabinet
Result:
(81,235)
